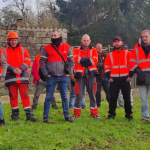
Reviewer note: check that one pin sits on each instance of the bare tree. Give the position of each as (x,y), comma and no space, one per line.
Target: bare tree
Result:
(46,18)
(21,7)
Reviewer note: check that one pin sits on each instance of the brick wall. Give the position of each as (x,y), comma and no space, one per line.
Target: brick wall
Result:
(32,39)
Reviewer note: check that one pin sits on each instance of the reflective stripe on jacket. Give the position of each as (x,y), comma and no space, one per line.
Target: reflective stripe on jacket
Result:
(117,63)
(17,58)
(138,59)
(142,63)
(78,53)
(52,64)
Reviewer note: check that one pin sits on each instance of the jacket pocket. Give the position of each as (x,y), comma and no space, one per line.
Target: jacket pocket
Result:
(95,87)
(76,88)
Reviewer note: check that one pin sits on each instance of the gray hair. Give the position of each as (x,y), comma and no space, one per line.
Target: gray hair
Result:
(56,30)
(145,31)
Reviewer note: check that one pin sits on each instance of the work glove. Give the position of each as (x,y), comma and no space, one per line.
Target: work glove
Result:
(72,77)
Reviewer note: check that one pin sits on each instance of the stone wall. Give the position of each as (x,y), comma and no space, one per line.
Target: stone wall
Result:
(32,39)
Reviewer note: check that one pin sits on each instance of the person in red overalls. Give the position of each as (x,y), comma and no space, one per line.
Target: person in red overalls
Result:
(17,77)
(85,70)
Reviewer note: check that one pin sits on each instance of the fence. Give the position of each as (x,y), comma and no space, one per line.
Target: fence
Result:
(109,49)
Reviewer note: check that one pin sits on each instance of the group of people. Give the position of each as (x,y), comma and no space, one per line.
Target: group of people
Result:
(87,67)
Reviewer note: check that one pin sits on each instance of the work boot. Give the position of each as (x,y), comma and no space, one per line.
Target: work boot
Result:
(15,114)
(2,122)
(29,115)
(74,117)
(68,119)
(53,102)
(111,117)
(46,120)
(34,108)
(129,117)
(98,117)
(144,120)
(31,118)
(54,106)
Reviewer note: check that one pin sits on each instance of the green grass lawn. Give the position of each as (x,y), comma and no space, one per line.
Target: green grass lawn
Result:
(84,134)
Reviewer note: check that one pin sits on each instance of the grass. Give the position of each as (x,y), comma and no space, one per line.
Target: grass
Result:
(84,134)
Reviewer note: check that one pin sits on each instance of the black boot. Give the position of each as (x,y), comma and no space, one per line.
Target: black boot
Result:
(53,102)
(15,114)
(2,122)
(29,114)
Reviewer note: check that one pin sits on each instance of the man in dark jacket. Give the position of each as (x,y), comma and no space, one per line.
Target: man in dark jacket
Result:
(140,63)
(53,68)
(100,78)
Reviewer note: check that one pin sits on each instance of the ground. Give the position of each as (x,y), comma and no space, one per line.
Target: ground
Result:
(84,134)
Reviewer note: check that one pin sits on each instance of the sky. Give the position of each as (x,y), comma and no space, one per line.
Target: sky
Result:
(32,3)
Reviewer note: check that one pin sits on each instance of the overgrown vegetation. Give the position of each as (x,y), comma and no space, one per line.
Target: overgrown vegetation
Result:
(101,19)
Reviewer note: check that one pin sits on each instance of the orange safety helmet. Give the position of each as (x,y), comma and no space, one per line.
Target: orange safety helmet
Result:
(12,35)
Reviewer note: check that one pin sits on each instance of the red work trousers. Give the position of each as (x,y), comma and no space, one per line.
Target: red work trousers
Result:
(13,93)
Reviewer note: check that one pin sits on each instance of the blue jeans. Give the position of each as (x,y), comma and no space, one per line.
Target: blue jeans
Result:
(63,83)
(143,90)
(1,110)
(73,97)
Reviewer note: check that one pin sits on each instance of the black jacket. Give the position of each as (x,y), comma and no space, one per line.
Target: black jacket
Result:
(100,66)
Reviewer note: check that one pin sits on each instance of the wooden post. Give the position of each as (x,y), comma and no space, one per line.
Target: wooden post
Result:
(108,48)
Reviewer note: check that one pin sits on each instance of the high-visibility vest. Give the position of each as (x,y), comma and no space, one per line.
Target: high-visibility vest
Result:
(53,56)
(117,63)
(38,61)
(138,59)
(92,54)
(15,59)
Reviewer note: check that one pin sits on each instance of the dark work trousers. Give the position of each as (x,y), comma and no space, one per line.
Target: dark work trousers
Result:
(80,84)
(39,88)
(105,84)
(114,92)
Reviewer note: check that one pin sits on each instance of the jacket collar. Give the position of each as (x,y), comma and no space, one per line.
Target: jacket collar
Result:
(82,48)
(117,49)
(18,45)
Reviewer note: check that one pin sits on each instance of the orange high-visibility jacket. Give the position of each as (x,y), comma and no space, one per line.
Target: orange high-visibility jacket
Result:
(117,63)
(92,54)
(140,63)
(17,58)
(138,59)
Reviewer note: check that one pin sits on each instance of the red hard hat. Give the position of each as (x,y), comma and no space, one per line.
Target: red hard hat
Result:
(12,35)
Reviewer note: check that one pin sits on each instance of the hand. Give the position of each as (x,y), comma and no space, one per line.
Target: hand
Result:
(1,78)
(17,71)
(39,80)
(72,77)
(128,79)
(49,76)
(111,80)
